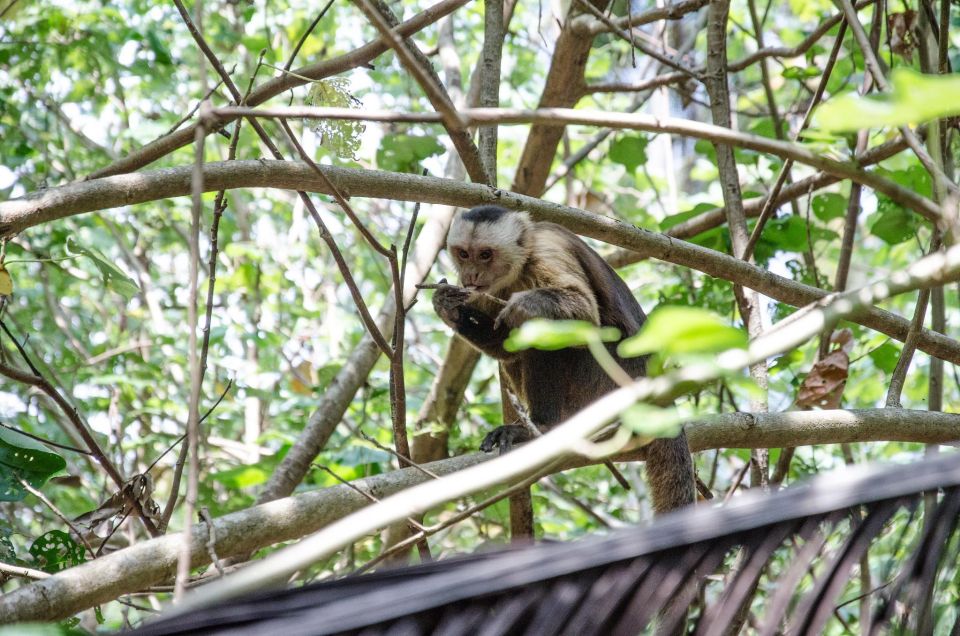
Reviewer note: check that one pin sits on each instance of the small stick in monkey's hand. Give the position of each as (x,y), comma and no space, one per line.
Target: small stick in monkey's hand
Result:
(443,281)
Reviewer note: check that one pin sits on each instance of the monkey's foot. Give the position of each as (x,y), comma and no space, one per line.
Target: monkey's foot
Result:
(504,437)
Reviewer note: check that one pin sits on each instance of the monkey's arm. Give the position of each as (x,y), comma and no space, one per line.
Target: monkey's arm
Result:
(471,323)
(554,303)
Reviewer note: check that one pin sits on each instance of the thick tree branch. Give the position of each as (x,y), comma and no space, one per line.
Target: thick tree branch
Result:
(138,188)
(570,436)
(152,562)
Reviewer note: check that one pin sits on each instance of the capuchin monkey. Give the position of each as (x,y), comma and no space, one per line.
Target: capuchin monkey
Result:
(543,270)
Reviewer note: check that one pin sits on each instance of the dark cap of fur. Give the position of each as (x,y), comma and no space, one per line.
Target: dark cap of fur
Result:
(485,214)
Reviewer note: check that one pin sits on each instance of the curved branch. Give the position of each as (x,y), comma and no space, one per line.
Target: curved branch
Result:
(154,561)
(627,121)
(110,192)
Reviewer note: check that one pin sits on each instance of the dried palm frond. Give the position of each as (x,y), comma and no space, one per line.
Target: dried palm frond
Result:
(781,563)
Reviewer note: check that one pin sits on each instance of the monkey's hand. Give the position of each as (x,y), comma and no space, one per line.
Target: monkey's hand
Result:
(504,437)
(521,307)
(448,302)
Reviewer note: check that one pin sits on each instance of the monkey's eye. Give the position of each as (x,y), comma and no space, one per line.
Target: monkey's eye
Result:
(485,255)
(462,253)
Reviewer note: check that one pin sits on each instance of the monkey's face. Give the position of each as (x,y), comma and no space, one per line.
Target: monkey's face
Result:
(488,255)
(481,267)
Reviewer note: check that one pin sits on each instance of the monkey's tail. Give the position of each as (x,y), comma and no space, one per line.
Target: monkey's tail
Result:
(670,473)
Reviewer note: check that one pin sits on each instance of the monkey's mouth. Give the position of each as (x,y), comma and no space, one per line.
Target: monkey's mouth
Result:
(478,288)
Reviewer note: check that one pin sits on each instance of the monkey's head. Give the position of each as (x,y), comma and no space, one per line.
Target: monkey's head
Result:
(488,246)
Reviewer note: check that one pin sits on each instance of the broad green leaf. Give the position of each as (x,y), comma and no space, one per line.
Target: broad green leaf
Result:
(56,550)
(675,330)
(914,98)
(894,224)
(629,151)
(113,277)
(647,420)
(27,458)
(829,206)
(885,356)
(241,477)
(677,219)
(550,335)
(403,153)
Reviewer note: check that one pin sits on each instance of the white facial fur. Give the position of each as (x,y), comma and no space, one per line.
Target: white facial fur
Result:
(502,237)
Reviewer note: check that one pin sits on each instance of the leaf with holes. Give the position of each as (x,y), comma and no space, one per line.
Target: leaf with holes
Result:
(21,456)
(56,551)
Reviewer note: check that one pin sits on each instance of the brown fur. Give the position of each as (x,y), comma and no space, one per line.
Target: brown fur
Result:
(546,271)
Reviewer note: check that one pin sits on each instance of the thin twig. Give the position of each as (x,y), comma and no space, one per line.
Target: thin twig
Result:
(407,460)
(43,440)
(53,508)
(875,66)
(784,175)
(663,59)
(306,34)
(327,238)
(211,540)
(349,484)
(429,82)
(460,516)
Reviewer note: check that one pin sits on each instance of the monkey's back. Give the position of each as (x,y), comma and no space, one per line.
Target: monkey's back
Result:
(539,374)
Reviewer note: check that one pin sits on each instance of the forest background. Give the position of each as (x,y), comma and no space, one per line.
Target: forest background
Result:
(262,315)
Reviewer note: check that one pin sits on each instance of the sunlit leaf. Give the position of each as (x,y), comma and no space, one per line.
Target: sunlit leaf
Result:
(24,457)
(550,335)
(674,330)
(646,420)
(914,98)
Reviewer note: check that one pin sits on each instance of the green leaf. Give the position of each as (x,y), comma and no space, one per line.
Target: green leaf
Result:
(894,224)
(159,48)
(677,219)
(403,153)
(672,330)
(550,335)
(241,477)
(27,458)
(801,72)
(885,356)
(629,151)
(829,206)
(56,551)
(113,277)
(647,420)
(914,98)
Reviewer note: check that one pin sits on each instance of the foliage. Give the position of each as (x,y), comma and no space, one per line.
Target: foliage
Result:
(99,300)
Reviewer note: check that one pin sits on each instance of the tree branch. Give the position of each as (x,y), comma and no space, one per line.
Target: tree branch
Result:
(153,562)
(138,188)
